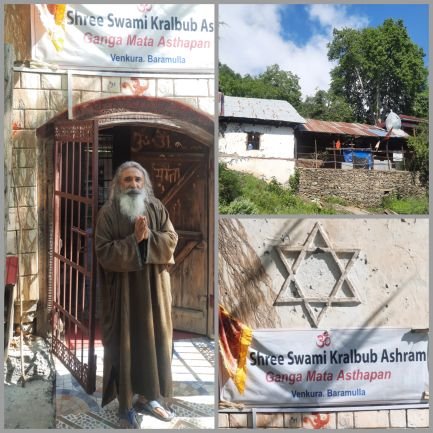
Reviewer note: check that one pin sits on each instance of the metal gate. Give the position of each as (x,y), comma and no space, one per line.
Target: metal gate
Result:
(74,278)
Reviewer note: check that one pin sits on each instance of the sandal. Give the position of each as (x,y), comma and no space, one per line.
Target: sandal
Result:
(151,408)
(129,420)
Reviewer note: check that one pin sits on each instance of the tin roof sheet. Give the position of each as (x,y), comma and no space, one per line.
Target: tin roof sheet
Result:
(408,121)
(344,128)
(263,109)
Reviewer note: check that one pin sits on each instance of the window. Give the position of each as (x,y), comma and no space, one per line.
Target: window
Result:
(253,141)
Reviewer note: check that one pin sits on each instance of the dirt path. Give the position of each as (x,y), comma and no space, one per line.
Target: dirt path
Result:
(351,210)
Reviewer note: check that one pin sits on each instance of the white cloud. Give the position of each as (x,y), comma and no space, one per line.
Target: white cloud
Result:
(251,39)
(335,16)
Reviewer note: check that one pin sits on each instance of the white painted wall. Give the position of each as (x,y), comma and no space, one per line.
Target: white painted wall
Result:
(275,158)
(390,273)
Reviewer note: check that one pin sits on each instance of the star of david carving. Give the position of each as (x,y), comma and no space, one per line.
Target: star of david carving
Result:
(293,292)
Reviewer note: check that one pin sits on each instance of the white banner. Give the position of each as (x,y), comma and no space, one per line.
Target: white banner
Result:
(331,368)
(145,37)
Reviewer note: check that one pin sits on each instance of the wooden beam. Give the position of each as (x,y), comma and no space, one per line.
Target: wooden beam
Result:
(315,152)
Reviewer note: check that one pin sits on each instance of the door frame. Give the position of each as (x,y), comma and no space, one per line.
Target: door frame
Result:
(156,112)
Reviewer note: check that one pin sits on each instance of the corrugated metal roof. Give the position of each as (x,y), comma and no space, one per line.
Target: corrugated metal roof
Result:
(407,121)
(411,118)
(344,128)
(263,109)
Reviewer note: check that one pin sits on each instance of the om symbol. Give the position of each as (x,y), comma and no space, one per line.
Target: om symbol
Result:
(144,8)
(323,339)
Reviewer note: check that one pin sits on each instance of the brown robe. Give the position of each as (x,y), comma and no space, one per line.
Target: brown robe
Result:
(135,310)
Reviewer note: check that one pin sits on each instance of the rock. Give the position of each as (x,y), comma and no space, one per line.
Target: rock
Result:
(20,410)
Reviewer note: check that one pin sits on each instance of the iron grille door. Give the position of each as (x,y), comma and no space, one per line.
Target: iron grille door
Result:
(74,276)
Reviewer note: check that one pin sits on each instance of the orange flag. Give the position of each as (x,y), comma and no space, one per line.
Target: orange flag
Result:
(234,340)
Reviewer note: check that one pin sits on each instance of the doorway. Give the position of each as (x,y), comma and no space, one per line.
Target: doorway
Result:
(175,144)
(178,167)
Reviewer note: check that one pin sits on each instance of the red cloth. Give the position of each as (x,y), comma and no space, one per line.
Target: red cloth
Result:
(234,340)
(11,270)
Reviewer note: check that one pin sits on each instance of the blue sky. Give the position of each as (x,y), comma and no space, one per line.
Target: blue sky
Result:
(295,36)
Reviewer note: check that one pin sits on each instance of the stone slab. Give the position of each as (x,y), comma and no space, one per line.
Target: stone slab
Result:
(24,139)
(191,87)
(111,84)
(30,80)
(345,420)
(372,419)
(267,420)
(293,420)
(397,418)
(26,99)
(417,418)
(165,87)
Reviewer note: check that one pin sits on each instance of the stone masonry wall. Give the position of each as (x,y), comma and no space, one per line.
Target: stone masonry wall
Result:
(37,97)
(362,187)
(399,418)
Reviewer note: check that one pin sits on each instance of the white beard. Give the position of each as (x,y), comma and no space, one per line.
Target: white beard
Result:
(132,205)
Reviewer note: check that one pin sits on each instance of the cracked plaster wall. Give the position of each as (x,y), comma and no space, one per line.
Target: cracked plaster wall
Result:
(390,273)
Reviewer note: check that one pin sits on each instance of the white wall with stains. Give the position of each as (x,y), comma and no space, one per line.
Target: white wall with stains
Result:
(389,273)
(275,158)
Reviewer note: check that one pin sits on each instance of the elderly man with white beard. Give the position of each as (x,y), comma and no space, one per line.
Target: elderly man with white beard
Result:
(134,243)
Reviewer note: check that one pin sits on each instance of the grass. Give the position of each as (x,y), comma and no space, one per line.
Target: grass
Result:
(242,193)
(407,206)
(332,199)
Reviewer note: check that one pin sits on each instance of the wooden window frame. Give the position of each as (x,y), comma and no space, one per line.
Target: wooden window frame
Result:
(254,139)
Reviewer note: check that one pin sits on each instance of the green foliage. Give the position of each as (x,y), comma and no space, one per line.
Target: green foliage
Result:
(419,144)
(259,197)
(407,206)
(294,181)
(420,106)
(282,85)
(327,106)
(229,185)
(255,196)
(378,69)
(332,199)
(229,81)
(274,83)
(238,206)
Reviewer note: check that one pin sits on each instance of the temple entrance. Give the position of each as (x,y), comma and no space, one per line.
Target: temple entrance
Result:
(177,151)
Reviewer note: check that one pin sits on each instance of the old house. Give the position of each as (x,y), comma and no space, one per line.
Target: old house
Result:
(76,107)
(409,124)
(350,145)
(328,152)
(258,136)
(269,139)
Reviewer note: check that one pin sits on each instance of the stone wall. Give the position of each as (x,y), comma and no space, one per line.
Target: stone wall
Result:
(362,187)
(37,97)
(399,418)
